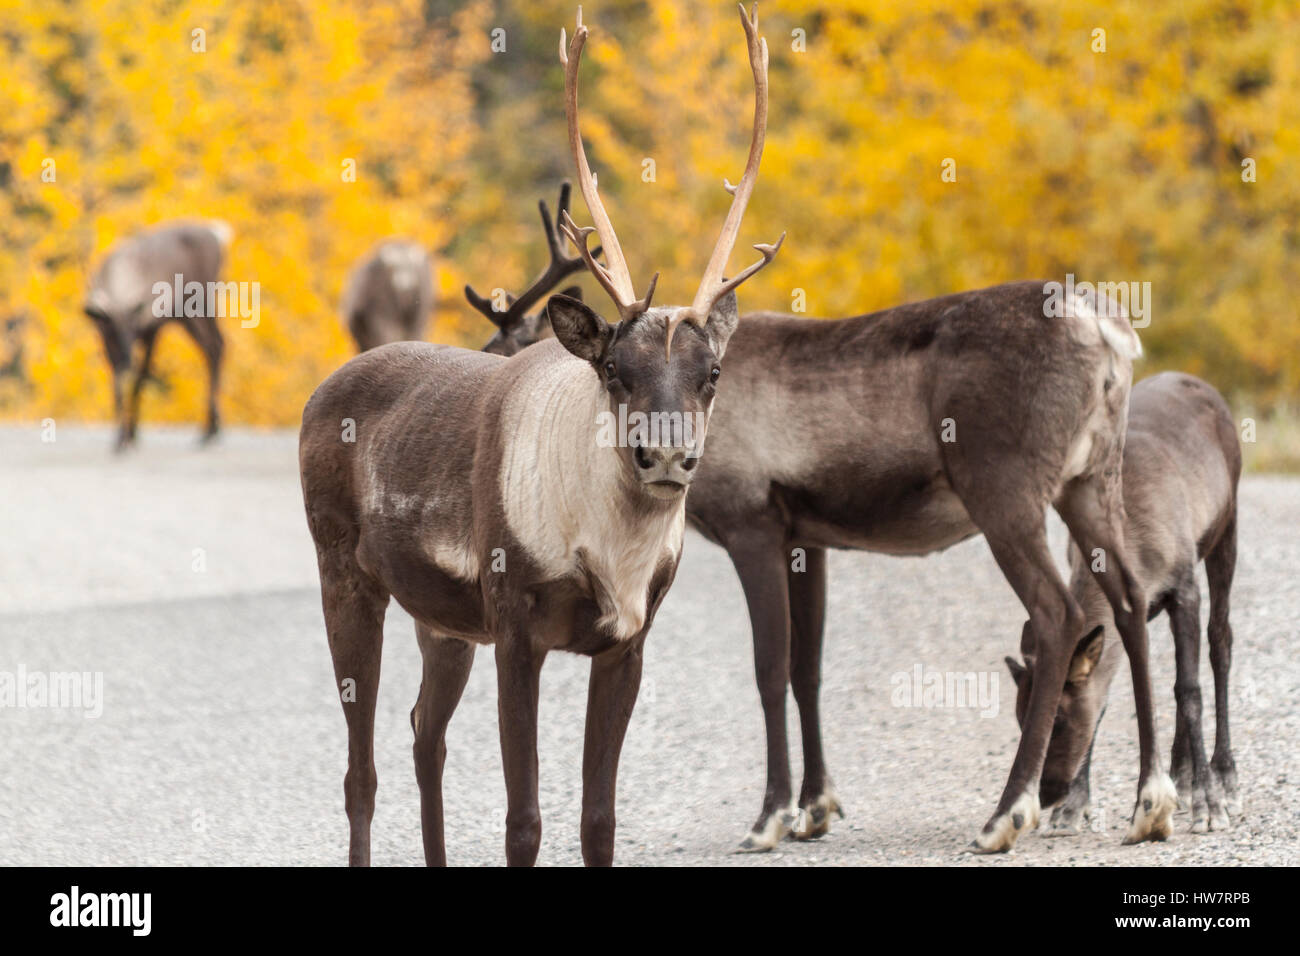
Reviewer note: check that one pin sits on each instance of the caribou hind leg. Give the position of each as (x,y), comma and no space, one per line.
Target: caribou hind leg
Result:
(1205,798)
(1220,564)
(354,621)
(206,334)
(1092,509)
(447,663)
(817,799)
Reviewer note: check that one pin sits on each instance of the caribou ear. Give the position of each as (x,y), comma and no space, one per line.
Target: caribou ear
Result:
(579,328)
(1017,670)
(1086,655)
(573,292)
(723,319)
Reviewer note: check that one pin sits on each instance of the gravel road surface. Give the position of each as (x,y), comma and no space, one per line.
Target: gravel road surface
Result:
(187,579)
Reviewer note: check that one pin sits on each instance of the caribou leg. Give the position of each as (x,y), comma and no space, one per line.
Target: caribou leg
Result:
(519,667)
(447,663)
(1220,564)
(1056,622)
(760,560)
(1206,799)
(611,695)
(354,621)
(1093,511)
(206,334)
(131,415)
(817,799)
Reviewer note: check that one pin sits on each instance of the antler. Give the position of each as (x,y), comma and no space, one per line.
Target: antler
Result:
(615,277)
(713,286)
(557,270)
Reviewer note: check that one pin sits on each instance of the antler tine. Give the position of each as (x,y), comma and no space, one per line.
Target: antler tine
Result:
(554,243)
(713,286)
(484,305)
(614,277)
(560,267)
(578,236)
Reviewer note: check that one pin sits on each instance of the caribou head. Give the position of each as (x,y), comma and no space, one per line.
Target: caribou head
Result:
(660,385)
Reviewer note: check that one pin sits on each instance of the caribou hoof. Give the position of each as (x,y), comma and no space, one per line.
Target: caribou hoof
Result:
(1231,794)
(1068,821)
(1208,810)
(999,834)
(768,833)
(1153,814)
(814,818)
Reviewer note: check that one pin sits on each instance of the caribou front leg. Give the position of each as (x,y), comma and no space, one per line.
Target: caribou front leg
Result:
(611,695)
(760,560)
(519,667)
(1056,623)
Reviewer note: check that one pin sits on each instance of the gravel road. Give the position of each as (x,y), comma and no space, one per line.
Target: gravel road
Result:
(186,577)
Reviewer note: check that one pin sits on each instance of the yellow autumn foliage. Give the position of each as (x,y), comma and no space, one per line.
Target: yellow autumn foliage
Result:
(1112,140)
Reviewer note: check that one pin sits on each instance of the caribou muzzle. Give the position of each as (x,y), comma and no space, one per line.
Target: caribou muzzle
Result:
(665,470)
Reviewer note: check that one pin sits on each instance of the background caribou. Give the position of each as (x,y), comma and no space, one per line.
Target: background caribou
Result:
(120,302)
(476,494)
(840,443)
(1182,463)
(389,295)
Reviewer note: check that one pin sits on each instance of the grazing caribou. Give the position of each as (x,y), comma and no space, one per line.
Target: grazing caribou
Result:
(474,490)
(1182,462)
(831,434)
(515,327)
(389,295)
(122,298)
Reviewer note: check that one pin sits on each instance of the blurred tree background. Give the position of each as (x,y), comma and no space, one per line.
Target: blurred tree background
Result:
(1115,164)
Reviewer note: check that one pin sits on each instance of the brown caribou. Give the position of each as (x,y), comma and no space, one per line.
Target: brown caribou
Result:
(476,493)
(389,295)
(122,302)
(1182,462)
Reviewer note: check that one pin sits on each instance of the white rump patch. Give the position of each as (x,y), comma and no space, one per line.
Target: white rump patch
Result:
(222,230)
(1111,322)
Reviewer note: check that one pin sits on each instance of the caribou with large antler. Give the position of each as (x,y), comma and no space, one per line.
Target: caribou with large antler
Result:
(474,490)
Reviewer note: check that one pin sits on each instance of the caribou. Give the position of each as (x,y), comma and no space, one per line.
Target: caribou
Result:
(1182,462)
(389,295)
(471,488)
(906,431)
(122,302)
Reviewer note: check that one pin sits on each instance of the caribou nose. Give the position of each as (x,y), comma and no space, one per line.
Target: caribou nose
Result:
(666,464)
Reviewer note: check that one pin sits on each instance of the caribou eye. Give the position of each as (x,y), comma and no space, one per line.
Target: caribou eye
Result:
(611,369)
(715,374)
